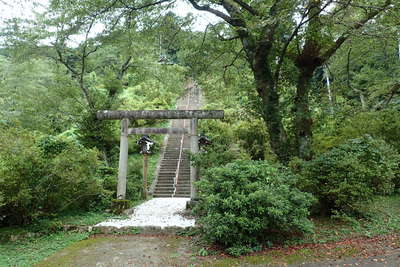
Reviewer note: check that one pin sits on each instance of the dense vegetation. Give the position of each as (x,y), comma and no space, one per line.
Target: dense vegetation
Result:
(247,203)
(310,91)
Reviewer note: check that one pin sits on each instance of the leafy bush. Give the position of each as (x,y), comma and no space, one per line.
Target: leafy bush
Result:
(51,145)
(349,174)
(246,203)
(42,178)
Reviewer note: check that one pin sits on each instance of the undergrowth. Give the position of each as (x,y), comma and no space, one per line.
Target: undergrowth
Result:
(25,246)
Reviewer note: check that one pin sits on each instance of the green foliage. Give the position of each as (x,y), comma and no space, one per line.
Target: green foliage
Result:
(382,124)
(369,67)
(223,148)
(253,137)
(94,133)
(51,145)
(42,178)
(349,174)
(27,252)
(133,183)
(247,203)
(37,94)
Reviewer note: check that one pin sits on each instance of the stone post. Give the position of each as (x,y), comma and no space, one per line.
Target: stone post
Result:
(194,149)
(123,160)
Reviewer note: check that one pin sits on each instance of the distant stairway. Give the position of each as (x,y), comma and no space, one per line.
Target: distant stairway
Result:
(174,173)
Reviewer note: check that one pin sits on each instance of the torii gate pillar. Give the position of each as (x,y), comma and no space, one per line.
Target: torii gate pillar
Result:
(123,159)
(194,149)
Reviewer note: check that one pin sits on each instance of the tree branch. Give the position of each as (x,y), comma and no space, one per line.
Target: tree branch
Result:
(357,25)
(232,62)
(303,21)
(133,8)
(393,91)
(247,7)
(232,21)
(124,68)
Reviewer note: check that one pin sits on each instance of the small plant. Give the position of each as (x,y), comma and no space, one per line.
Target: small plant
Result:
(203,252)
(135,231)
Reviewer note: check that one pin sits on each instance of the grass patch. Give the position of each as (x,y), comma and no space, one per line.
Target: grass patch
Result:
(382,217)
(87,218)
(24,246)
(28,251)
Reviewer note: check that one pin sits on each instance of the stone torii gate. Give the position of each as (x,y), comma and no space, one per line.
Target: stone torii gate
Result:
(126,115)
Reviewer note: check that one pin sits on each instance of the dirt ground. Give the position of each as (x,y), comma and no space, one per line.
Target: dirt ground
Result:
(146,250)
(130,250)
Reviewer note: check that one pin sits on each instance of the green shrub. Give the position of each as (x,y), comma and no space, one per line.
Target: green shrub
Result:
(40,180)
(349,174)
(247,203)
(51,145)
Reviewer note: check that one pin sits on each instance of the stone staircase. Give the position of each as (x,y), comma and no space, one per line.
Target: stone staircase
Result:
(173,179)
(170,163)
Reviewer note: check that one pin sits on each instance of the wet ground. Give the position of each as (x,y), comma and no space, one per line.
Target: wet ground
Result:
(131,250)
(147,250)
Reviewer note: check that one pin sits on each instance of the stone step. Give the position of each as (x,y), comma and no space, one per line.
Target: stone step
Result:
(174,161)
(162,195)
(182,195)
(183,185)
(166,171)
(164,191)
(171,192)
(165,181)
(166,186)
(182,191)
(170,185)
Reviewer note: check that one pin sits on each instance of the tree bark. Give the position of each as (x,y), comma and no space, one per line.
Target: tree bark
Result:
(272,116)
(303,120)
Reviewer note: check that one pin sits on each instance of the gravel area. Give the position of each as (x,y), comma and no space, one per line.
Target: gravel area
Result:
(162,212)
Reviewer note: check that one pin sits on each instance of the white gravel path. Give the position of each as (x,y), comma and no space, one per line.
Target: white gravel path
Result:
(156,212)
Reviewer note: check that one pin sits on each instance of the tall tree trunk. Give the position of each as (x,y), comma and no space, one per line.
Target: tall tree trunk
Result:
(303,120)
(267,91)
